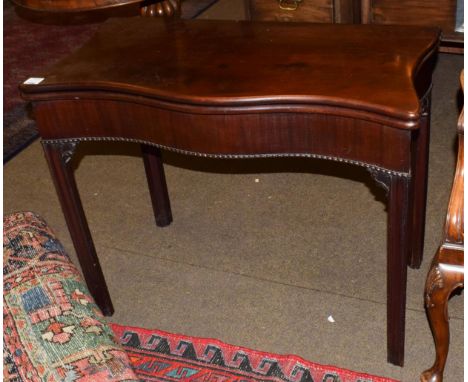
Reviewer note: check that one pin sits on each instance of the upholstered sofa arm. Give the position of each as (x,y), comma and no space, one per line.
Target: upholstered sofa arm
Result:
(53,330)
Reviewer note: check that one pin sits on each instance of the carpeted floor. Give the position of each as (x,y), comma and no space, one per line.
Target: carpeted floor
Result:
(260,253)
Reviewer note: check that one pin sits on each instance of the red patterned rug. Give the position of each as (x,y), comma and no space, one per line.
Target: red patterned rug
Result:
(161,356)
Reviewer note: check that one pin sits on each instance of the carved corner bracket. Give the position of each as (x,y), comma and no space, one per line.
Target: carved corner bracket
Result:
(65,148)
(382,178)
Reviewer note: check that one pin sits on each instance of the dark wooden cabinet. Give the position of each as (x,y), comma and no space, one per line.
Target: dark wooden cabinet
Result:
(414,12)
(317,11)
(440,13)
(320,11)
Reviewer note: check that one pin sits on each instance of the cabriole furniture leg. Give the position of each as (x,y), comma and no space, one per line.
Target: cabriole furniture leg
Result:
(446,275)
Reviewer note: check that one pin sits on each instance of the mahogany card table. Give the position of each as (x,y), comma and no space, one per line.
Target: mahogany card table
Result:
(223,89)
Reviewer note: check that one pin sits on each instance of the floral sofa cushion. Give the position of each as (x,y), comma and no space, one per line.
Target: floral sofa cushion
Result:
(53,330)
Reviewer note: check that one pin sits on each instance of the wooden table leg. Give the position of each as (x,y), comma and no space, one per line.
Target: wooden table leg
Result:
(420,171)
(59,155)
(157,185)
(397,259)
(399,192)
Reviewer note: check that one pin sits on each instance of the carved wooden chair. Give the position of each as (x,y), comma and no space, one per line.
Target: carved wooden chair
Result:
(447,271)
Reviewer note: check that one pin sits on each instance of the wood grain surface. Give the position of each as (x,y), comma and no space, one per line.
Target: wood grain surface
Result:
(213,63)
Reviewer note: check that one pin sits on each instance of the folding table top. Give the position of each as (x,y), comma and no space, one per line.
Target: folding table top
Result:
(371,68)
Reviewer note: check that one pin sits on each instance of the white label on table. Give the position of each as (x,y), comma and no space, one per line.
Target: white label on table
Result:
(34,80)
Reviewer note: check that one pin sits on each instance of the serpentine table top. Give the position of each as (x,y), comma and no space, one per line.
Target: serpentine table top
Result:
(353,67)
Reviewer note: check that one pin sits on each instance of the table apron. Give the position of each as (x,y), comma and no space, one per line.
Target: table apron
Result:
(347,139)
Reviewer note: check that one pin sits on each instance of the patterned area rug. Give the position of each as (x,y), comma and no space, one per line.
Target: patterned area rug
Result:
(161,356)
(52,329)
(33,41)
